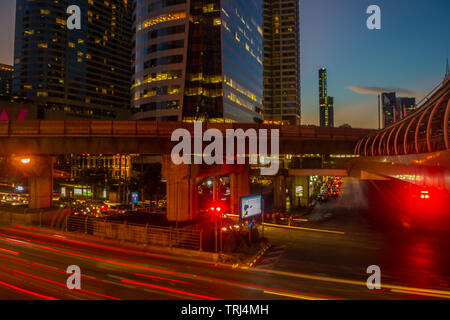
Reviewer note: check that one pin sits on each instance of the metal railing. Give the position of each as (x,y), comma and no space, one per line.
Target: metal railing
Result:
(144,234)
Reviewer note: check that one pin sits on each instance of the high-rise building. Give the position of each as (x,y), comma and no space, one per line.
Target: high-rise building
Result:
(198,60)
(6,74)
(74,74)
(329,112)
(326,103)
(389,107)
(281,29)
(406,105)
(395,109)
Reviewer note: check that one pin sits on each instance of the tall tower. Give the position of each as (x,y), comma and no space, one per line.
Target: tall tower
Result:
(326,107)
(198,60)
(281,30)
(74,74)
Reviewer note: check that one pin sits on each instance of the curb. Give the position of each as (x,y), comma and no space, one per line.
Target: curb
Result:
(259,255)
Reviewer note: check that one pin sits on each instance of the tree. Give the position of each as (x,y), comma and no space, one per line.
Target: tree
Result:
(148,182)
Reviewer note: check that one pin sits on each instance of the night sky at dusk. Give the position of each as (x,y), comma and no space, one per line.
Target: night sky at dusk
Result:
(408,52)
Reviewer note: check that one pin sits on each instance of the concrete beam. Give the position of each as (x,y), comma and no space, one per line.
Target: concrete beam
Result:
(318,172)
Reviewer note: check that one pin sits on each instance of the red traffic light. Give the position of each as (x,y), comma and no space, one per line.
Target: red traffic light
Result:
(424,194)
(216,209)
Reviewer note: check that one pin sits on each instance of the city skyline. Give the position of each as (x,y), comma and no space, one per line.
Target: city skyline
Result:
(352,54)
(81,74)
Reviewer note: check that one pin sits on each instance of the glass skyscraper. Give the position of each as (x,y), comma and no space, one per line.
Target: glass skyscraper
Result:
(74,74)
(198,60)
(281,31)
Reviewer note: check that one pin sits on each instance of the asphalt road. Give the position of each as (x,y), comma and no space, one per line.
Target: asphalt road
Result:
(350,235)
(302,264)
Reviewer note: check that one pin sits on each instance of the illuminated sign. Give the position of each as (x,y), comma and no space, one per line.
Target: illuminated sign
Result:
(135,197)
(251,206)
(299,191)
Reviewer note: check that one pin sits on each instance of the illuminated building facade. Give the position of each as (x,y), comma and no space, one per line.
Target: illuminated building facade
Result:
(117,167)
(198,60)
(281,28)
(6,74)
(326,103)
(74,74)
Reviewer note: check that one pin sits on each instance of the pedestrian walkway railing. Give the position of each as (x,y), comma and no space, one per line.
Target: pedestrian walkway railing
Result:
(186,238)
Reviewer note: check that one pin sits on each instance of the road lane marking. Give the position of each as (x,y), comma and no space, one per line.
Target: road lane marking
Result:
(302,228)
(417,293)
(354,282)
(299,220)
(297,296)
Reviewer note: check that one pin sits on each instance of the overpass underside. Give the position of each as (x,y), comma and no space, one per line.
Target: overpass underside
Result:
(426,169)
(41,141)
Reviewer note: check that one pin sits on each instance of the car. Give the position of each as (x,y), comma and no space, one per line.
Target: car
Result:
(228,225)
(323,196)
(334,192)
(121,208)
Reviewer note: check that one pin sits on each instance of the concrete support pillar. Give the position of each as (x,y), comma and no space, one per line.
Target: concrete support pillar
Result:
(283,193)
(40,180)
(216,189)
(279,192)
(239,187)
(181,190)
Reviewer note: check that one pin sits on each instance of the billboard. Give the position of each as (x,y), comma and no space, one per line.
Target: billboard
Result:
(135,197)
(251,206)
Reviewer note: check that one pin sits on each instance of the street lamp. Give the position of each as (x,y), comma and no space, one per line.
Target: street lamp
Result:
(25,160)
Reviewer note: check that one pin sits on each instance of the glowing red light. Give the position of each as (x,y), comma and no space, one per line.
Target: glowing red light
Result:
(170,290)
(424,194)
(27,291)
